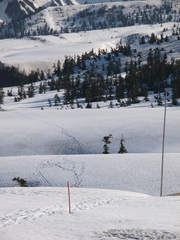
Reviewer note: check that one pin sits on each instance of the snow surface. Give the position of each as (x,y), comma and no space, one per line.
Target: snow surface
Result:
(42,213)
(131,172)
(103,199)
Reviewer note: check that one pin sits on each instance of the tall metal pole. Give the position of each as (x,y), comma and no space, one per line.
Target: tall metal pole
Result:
(162,165)
(69,196)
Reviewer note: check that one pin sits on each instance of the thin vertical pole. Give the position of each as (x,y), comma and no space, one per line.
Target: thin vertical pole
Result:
(69,197)
(162,164)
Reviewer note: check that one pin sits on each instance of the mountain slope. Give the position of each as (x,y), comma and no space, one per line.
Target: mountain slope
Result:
(13,10)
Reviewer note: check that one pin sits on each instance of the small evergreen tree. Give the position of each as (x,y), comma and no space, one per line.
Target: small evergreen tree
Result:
(57,98)
(89,105)
(20,181)
(31,90)
(142,40)
(1,96)
(40,88)
(175,94)
(111,105)
(107,141)
(122,147)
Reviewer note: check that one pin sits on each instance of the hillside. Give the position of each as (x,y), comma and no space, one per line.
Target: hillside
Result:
(79,79)
(42,213)
(49,49)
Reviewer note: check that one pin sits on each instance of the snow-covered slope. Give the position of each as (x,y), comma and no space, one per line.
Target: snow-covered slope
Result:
(62,132)
(33,131)
(97,211)
(42,213)
(48,146)
(129,172)
(49,49)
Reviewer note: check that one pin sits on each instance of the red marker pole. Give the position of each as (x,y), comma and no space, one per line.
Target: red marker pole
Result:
(69,196)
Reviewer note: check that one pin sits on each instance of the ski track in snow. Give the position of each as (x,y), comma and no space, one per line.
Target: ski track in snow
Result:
(80,146)
(32,214)
(20,215)
(76,169)
(39,168)
(85,204)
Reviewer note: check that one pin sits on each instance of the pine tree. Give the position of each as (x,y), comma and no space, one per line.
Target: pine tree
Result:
(1,96)
(44,87)
(89,105)
(31,90)
(40,88)
(111,104)
(142,40)
(153,38)
(20,181)
(68,90)
(107,141)
(122,147)
(175,94)
(56,99)
(42,75)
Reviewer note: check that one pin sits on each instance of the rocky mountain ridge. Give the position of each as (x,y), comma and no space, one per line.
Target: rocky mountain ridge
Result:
(14,10)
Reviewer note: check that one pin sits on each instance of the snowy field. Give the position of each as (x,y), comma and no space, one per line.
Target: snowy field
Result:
(114,196)
(42,213)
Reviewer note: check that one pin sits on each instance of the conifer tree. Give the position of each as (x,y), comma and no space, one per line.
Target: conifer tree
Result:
(1,96)
(107,141)
(175,94)
(142,40)
(44,87)
(20,181)
(153,38)
(122,147)
(40,88)
(56,99)
(68,90)
(31,90)
(42,75)
(89,105)
(20,92)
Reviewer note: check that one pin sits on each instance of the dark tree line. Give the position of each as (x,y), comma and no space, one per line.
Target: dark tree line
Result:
(100,83)
(12,76)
